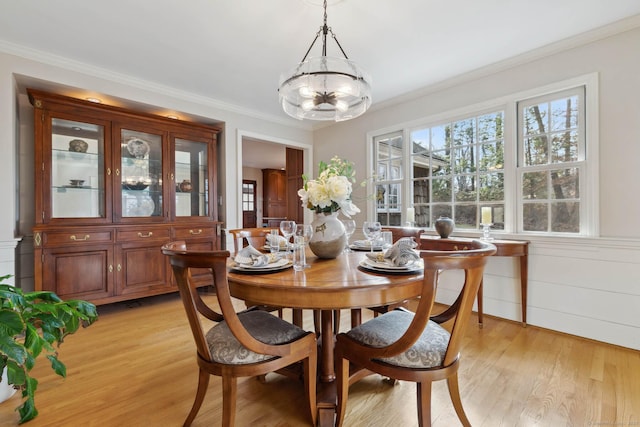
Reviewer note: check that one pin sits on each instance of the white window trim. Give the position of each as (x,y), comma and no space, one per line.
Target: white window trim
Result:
(590,216)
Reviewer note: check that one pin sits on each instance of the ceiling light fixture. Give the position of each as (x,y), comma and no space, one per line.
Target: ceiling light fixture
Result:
(325,88)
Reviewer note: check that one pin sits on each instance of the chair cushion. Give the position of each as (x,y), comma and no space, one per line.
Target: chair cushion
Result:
(264,327)
(427,352)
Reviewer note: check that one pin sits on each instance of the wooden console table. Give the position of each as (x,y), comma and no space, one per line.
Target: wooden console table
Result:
(510,248)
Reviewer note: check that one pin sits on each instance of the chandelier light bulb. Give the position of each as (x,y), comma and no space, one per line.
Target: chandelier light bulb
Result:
(324,87)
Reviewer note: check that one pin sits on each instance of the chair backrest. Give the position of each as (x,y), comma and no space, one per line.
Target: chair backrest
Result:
(256,237)
(400,232)
(472,261)
(182,260)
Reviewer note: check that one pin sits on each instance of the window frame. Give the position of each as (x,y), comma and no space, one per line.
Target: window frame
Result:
(513,200)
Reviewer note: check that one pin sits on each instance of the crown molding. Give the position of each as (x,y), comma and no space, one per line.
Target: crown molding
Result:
(582,39)
(124,79)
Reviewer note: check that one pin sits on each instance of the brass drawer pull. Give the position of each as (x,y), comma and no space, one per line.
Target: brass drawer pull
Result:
(195,232)
(149,234)
(78,239)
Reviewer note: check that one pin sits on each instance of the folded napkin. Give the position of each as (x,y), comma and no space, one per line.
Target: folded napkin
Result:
(402,253)
(276,238)
(253,257)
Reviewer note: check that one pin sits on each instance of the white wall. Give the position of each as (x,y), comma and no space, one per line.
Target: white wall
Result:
(587,287)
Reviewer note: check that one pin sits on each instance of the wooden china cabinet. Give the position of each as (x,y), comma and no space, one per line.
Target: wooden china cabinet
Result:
(111,187)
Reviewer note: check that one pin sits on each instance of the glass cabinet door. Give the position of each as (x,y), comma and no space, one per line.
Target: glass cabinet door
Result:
(77,169)
(191,171)
(141,174)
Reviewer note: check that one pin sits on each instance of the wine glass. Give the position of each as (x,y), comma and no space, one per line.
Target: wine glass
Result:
(288,229)
(349,229)
(306,231)
(371,230)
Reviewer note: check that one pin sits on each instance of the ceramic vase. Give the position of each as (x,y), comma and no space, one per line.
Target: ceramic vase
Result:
(185,186)
(444,226)
(329,238)
(6,390)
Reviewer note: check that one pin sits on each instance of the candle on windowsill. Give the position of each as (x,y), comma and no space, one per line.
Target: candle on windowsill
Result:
(486,215)
(411,215)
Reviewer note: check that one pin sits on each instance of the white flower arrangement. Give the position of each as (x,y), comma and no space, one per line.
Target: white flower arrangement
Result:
(331,191)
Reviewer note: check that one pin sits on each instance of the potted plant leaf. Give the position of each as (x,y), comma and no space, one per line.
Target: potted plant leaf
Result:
(32,324)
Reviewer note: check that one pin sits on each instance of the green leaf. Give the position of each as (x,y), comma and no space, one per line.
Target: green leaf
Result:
(33,341)
(28,409)
(10,322)
(12,350)
(57,366)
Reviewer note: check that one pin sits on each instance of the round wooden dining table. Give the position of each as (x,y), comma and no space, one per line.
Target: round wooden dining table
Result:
(327,285)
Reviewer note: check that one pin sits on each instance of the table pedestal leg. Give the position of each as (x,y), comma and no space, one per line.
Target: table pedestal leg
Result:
(326,387)
(327,373)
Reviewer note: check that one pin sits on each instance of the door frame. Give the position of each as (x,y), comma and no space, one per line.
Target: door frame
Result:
(308,165)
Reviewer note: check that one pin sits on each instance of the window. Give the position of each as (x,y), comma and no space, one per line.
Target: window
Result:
(551,160)
(389,178)
(458,167)
(248,195)
(523,156)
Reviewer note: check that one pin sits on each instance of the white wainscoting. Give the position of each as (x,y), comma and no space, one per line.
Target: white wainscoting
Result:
(587,288)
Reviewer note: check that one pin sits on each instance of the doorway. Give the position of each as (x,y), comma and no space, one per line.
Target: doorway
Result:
(249,198)
(259,152)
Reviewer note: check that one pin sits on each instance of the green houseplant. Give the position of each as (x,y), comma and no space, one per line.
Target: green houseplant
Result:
(31,324)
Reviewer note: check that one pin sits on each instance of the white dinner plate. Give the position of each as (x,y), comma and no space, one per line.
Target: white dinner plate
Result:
(281,264)
(386,267)
(365,248)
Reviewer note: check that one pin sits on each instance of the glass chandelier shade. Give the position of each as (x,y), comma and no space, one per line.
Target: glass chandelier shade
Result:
(323,87)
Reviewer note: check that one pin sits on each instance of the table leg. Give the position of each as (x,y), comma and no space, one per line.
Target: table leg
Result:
(524,274)
(297,317)
(327,372)
(480,309)
(326,387)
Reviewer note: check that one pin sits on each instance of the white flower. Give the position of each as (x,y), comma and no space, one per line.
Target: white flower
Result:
(332,190)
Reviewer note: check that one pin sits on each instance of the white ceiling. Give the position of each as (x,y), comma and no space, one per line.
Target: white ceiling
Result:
(233,51)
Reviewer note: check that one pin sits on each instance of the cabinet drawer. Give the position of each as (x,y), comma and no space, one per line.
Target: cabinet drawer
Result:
(76,237)
(143,233)
(190,232)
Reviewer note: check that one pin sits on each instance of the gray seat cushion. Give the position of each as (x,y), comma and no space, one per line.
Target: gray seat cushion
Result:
(427,352)
(264,327)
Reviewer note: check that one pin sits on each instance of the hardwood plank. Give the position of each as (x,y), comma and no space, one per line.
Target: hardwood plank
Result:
(136,367)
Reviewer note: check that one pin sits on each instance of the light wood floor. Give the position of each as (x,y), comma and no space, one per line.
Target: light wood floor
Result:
(136,367)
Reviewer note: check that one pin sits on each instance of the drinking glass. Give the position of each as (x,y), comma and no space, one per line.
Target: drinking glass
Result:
(349,229)
(288,229)
(299,256)
(274,244)
(371,230)
(305,231)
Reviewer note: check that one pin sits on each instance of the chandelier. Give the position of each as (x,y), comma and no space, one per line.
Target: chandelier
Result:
(325,88)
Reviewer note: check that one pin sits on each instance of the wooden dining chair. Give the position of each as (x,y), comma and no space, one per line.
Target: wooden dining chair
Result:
(408,346)
(400,232)
(256,237)
(245,344)
(397,233)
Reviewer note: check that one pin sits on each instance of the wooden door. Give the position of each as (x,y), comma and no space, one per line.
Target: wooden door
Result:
(295,169)
(249,198)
